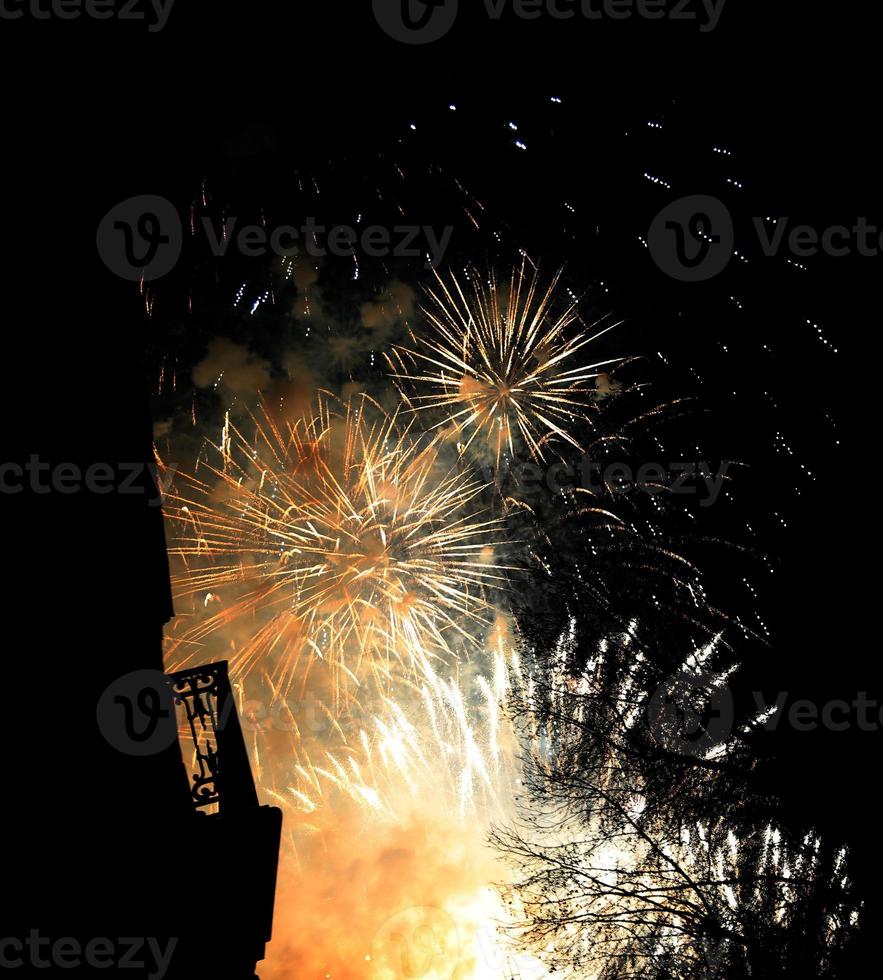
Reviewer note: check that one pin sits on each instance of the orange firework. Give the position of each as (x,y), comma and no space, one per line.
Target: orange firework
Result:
(337,537)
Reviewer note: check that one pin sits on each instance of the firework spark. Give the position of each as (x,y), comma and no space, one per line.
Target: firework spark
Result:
(336,537)
(450,737)
(500,364)
(401,812)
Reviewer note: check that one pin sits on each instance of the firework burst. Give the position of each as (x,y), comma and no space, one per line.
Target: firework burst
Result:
(338,537)
(499,364)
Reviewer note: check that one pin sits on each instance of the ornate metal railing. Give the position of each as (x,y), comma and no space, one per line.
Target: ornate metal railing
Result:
(221,779)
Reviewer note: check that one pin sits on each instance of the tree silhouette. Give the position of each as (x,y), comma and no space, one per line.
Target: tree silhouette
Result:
(644,846)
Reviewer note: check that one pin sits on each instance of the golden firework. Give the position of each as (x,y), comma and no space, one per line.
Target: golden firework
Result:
(338,537)
(500,364)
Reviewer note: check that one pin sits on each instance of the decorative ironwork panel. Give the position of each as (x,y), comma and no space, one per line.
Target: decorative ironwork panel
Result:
(221,773)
